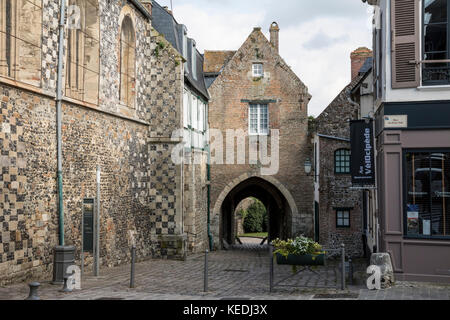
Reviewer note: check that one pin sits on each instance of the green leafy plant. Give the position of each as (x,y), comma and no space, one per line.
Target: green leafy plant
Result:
(298,246)
(265,225)
(254,219)
(160,46)
(242,214)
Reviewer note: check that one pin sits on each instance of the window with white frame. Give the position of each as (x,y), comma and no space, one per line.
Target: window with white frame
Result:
(195,121)
(258,70)
(186,113)
(194,110)
(258,119)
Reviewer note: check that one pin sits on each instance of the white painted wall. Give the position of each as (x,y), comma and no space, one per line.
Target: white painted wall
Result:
(366,91)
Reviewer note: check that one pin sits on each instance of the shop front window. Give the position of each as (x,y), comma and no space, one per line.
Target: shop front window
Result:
(427,194)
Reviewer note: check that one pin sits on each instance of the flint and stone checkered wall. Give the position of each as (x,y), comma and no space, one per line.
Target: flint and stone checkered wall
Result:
(141,188)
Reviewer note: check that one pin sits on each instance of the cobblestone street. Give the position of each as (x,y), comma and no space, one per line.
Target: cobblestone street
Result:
(237,274)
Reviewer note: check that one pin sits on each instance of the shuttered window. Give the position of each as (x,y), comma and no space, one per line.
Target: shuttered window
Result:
(405,43)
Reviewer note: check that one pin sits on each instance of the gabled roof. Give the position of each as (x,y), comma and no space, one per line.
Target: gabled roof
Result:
(366,66)
(364,72)
(216,60)
(230,60)
(333,120)
(165,24)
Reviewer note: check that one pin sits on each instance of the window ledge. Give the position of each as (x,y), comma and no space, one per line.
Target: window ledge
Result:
(427,238)
(26,86)
(434,88)
(259,135)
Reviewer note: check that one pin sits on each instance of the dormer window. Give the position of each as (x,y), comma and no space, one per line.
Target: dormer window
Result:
(194,60)
(185,47)
(258,70)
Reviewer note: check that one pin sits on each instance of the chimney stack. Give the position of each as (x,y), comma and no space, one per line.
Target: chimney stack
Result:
(275,36)
(168,10)
(358,58)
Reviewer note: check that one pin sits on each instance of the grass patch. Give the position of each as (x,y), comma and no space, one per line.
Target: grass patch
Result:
(260,235)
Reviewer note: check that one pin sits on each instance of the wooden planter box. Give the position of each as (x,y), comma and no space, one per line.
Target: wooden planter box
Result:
(303,260)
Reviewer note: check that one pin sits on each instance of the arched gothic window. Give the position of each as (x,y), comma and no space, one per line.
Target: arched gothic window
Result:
(127,63)
(83,55)
(20,40)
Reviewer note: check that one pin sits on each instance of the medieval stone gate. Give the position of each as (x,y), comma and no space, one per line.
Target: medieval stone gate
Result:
(278,201)
(255,96)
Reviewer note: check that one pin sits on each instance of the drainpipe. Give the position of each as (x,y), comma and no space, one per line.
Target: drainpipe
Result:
(59,120)
(211,240)
(63,256)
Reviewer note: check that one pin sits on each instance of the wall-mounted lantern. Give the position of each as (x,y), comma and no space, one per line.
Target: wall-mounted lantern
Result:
(308,166)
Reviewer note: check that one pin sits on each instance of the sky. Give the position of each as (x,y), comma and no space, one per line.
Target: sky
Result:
(316,36)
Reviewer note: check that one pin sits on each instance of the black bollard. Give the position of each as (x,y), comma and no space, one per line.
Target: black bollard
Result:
(343,267)
(350,271)
(34,286)
(133,263)
(205,275)
(66,289)
(271,267)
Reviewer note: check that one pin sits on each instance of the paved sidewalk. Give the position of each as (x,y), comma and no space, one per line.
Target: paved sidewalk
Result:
(232,274)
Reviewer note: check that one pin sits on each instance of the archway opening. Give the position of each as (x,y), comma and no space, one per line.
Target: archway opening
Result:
(251,220)
(279,213)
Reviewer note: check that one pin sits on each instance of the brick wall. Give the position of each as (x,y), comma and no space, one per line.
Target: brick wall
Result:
(288,114)
(334,191)
(196,201)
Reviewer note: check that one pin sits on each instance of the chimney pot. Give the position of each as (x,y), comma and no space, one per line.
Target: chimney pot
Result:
(147,5)
(168,10)
(275,36)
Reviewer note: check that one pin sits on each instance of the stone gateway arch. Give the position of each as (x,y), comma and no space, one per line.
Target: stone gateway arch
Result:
(278,201)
